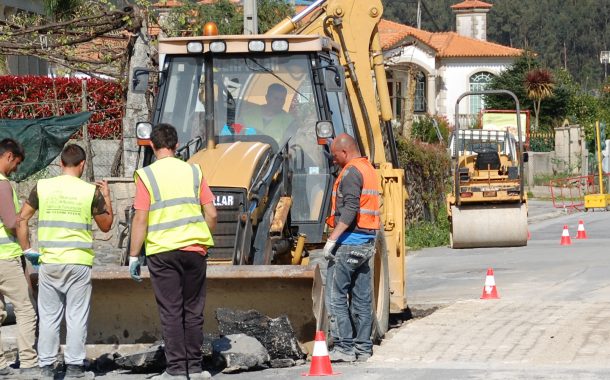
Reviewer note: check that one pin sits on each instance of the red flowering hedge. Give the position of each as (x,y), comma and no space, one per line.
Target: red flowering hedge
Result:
(32,97)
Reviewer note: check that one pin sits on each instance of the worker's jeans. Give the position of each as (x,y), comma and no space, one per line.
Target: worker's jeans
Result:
(63,288)
(178,280)
(14,286)
(349,274)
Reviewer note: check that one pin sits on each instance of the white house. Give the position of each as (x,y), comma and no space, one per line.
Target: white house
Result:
(447,63)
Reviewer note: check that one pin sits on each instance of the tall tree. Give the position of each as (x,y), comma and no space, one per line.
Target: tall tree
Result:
(189,18)
(539,85)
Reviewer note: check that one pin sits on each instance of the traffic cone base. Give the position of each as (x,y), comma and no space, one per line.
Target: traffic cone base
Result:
(581,233)
(490,292)
(565,236)
(320,361)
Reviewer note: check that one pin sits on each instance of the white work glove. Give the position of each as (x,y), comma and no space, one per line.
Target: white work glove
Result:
(134,268)
(329,249)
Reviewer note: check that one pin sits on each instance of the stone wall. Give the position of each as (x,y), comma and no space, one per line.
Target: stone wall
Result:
(538,163)
(570,150)
(104,152)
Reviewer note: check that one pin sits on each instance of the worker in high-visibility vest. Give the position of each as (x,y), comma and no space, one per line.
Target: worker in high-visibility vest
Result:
(13,283)
(66,206)
(174,218)
(349,247)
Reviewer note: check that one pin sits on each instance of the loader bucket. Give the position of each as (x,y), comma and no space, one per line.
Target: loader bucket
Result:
(125,312)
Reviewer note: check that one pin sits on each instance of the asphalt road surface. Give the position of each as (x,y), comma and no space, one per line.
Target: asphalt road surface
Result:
(552,320)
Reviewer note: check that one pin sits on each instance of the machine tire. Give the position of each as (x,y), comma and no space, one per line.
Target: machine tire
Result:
(381,286)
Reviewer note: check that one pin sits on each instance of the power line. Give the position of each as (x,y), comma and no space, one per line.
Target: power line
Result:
(425,7)
(423,3)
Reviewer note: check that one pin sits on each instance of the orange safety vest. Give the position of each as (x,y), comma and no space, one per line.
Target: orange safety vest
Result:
(368,215)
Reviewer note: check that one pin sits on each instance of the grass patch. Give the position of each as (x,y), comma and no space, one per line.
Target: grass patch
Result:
(429,234)
(545,179)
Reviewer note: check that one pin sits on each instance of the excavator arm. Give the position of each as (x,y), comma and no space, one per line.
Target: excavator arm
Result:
(353,24)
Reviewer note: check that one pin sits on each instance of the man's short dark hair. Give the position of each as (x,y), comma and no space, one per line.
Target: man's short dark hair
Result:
(12,146)
(164,136)
(72,155)
(278,88)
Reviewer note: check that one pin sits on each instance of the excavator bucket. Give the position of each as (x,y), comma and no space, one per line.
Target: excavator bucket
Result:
(125,312)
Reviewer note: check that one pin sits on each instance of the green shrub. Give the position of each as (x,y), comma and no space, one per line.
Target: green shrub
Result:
(425,234)
(427,172)
(424,130)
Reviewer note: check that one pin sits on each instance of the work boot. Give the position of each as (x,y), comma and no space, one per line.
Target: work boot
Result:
(30,373)
(47,372)
(362,357)
(200,375)
(167,376)
(340,356)
(75,371)
(6,371)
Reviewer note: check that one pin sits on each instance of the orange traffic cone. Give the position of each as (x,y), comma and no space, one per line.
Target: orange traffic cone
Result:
(490,292)
(565,236)
(320,361)
(581,233)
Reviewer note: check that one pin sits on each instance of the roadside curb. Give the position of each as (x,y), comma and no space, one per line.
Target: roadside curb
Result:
(549,215)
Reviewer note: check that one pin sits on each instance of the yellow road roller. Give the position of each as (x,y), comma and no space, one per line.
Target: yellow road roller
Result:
(488,205)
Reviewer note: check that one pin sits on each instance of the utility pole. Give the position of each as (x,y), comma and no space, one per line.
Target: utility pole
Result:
(565,56)
(604,57)
(250,17)
(418,14)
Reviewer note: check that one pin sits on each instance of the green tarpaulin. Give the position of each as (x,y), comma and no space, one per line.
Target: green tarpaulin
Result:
(42,139)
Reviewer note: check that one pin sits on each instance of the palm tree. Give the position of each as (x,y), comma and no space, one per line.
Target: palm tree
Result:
(539,85)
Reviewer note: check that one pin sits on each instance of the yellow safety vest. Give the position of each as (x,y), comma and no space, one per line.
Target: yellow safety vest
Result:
(9,248)
(175,220)
(64,220)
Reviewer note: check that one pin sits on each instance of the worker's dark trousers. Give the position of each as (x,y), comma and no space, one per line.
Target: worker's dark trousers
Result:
(178,280)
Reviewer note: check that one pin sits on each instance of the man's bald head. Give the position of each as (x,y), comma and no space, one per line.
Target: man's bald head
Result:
(344,148)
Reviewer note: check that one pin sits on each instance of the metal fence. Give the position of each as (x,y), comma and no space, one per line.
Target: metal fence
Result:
(542,141)
(569,193)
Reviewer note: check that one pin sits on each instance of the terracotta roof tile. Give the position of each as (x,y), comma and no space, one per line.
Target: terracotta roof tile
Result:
(176,3)
(467,4)
(446,44)
(167,4)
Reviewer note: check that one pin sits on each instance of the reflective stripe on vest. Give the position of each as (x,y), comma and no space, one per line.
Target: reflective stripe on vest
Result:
(64,220)
(368,214)
(9,248)
(175,218)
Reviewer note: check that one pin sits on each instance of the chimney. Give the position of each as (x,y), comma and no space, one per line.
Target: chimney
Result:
(471,18)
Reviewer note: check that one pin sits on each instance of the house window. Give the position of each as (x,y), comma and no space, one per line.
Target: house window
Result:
(420,92)
(396,97)
(478,82)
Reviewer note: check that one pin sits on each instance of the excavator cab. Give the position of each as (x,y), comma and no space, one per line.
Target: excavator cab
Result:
(259,111)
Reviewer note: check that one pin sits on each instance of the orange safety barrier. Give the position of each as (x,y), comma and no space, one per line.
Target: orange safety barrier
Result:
(569,193)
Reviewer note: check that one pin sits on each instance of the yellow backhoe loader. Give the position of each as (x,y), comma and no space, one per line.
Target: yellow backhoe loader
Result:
(257,113)
(487,206)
